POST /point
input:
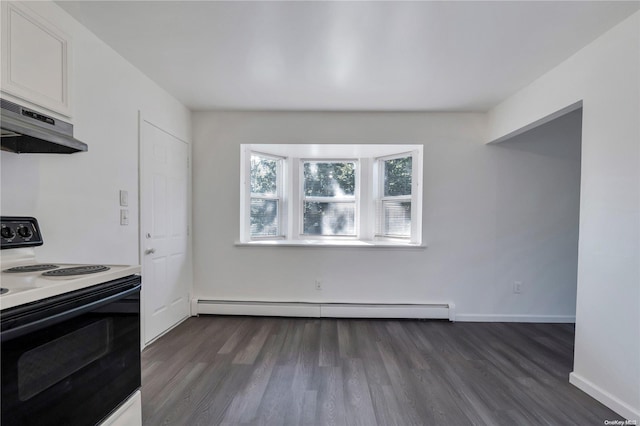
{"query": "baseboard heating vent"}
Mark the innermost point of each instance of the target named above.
(280, 309)
(324, 310)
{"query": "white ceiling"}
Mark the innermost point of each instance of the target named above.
(386, 56)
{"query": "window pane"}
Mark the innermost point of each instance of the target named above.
(397, 218)
(329, 218)
(264, 218)
(264, 175)
(397, 177)
(329, 179)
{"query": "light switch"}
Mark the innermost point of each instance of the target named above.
(124, 198)
(124, 217)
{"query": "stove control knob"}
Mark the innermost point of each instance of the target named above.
(24, 232)
(7, 232)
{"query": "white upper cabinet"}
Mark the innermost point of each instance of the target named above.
(36, 59)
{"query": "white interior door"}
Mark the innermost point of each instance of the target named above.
(164, 196)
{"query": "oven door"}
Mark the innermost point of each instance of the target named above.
(71, 359)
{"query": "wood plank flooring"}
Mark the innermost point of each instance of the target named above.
(214, 370)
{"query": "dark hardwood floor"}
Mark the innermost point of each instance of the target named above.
(214, 370)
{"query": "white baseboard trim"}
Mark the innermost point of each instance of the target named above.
(620, 407)
(325, 310)
(361, 310)
(516, 318)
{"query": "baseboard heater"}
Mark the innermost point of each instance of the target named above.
(324, 310)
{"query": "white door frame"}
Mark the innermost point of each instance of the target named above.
(142, 118)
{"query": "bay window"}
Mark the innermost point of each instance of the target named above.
(331, 194)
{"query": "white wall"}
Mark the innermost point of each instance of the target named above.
(476, 202)
(75, 197)
(537, 210)
(605, 75)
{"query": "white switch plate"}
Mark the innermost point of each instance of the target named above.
(124, 217)
(124, 198)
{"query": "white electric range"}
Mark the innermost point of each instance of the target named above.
(23, 279)
(69, 334)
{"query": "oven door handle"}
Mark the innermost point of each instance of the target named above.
(21, 330)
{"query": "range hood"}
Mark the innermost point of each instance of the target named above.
(27, 131)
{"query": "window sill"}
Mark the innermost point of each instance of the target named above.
(331, 244)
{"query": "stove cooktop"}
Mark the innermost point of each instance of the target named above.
(25, 280)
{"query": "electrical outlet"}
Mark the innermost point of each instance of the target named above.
(517, 287)
(318, 285)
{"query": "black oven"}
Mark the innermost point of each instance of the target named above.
(73, 358)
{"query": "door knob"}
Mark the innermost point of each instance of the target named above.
(150, 251)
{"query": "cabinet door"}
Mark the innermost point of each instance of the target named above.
(35, 59)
